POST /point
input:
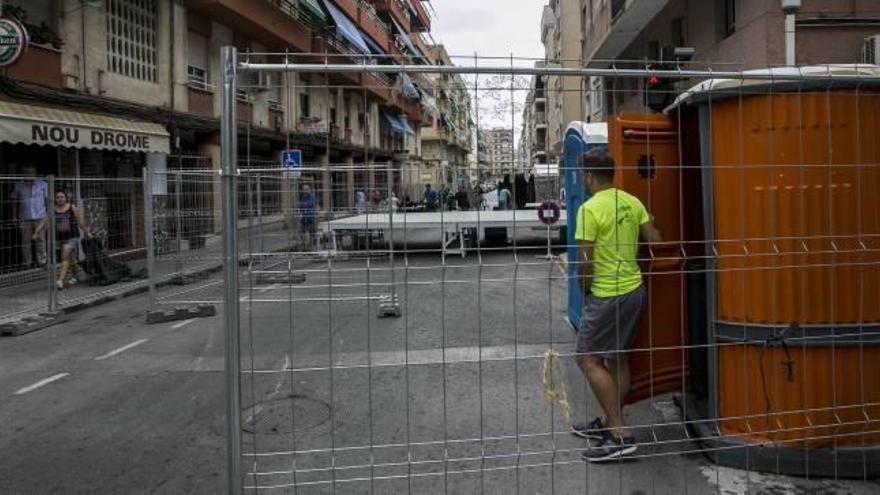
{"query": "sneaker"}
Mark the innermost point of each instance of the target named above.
(594, 430)
(71, 281)
(59, 285)
(610, 448)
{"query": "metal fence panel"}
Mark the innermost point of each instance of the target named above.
(376, 346)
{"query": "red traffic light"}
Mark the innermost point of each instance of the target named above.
(653, 81)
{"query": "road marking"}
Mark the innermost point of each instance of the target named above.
(270, 287)
(182, 324)
(40, 383)
(121, 349)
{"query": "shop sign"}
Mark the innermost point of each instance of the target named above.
(59, 135)
(13, 41)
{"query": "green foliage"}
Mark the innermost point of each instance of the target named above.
(40, 34)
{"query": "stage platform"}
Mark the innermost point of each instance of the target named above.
(453, 231)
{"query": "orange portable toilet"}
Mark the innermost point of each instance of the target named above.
(791, 194)
(646, 155)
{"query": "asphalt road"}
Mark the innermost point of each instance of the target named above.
(445, 399)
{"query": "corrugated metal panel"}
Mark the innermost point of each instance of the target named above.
(790, 269)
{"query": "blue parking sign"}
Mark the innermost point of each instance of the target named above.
(291, 162)
(291, 159)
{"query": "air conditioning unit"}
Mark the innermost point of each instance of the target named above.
(871, 50)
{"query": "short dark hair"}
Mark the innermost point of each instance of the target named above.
(599, 163)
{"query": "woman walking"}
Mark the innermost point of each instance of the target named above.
(68, 223)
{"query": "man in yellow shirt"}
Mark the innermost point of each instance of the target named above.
(608, 229)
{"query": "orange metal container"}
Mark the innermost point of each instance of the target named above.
(796, 179)
(645, 151)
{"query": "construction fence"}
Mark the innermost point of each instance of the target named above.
(421, 349)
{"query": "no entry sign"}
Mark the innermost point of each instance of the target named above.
(548, 212)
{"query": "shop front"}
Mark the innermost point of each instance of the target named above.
(97, 160)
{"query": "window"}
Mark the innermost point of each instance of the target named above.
(728, 16)
(679, 31)
(131, 38)
(304, 105)
(197, 61)
(332, 116)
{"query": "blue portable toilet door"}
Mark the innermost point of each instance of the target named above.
(580, 138)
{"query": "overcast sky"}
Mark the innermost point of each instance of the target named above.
(491, 28)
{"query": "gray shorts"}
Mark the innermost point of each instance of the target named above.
(609, 324)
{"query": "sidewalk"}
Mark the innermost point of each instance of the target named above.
(32, 296)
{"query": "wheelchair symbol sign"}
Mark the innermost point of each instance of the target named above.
(291, 162)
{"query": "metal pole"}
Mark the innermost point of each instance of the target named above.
(259, 216)
(149, 237)
(178, 219)
(790, 39)
(50, 245)
(776, 75)
(229, 200)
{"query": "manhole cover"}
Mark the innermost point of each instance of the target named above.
(285, 415)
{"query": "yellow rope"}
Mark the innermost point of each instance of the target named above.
(553, 382)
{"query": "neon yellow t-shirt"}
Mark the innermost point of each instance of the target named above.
(611, 220)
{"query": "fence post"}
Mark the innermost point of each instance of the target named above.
(178, 221)
(51, 260)
(259, 216)
(149, 238)
(229, 200)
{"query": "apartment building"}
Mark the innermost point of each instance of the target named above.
(561, 33)
(145, 74)
(725, 35)
(534, 138)
(499, 145)
(446, 139)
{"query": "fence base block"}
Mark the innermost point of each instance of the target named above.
(280, 278)
(181, 313)
(31, 323)
(389, 307)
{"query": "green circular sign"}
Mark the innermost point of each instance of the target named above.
(13, 41)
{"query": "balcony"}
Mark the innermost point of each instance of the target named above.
(41, 64)
(200, 101)
(260, 20)
(244, 110)
(368, 20)
(540, 120)
(397, 10)
(350, 7)
(628, 17)
(421, 21)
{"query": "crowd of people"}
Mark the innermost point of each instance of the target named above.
(30, 196)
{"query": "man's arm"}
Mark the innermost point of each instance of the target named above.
(649, 232)
(585, 265)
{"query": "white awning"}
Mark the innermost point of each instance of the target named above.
(33, 124)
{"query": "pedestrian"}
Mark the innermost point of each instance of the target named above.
(68, 223)
(308, 209)
(444, 196)
(394, 201)
(360, 201)
(608, 228)
(376, 198)
(463, 199)
(430, 198)
(503, 199)
(31, 193)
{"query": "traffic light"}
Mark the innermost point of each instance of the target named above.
(659, 91)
